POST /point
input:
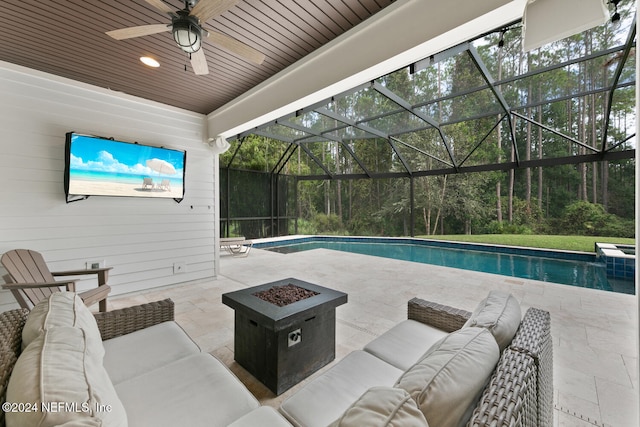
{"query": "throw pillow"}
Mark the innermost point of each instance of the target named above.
(383, 407)
(500, 313)
(448, 381)
(56, 374)
(63, 309)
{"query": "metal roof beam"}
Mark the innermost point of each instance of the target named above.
(272, 136)
(280, 164)
(327, 101)
(373, 131)
(434, 59)
(305, 149)
(367, 129)
(316, 160)
(233, 156)
(492, 167)
(521, 107)
(616, 145)
(482, 140)
(422, 151)
(353, 123)
(404, 162)
(486, 75)
(533, 73)
(408, 107)
(328, 137)
(616, 78)
(554, 131)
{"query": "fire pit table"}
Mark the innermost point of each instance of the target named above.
(284, 330)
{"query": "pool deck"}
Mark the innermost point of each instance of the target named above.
(595, 333)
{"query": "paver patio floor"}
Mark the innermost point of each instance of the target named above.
(595, 333)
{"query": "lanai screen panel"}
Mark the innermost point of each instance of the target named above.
(482, 105)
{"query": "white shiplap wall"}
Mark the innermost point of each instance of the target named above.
(140, 238)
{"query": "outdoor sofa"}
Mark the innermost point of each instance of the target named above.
(442, 363)
(443, 367)
(62, 365)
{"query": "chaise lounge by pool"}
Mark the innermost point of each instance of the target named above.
(569, 268)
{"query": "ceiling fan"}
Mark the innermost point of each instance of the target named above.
(188, 32)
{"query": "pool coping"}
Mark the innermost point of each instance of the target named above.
(506, 249)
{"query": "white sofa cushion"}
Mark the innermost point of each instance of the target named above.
(500, 313)
(325, 398)
(405, 343)
(448, 381)
(264, 416)
(86, 422)
(134, 354)
(197, 391)
(383, 407)
(66, 382)
(62, 309)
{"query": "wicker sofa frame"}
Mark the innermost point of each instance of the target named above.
(520, 391)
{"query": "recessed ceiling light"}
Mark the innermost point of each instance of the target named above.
(146, 60)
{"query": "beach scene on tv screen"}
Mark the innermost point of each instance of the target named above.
(104, 167)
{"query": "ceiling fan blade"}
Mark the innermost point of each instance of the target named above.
(199, 62)
(207, 9)
(143, 30)
(236, 47)
(161, 6)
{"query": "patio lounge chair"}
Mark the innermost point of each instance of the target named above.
(30, 280)
(236, 246)
(147, 182)
(165, 184)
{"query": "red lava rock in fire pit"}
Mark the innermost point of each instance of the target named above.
(285, 295)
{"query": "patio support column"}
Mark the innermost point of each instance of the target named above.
(295, 194)
(273, 184)
(412, 207)
(228, 197)
(216, 215)
(278, 205)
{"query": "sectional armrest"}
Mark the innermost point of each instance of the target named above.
(510, 398)
(520, 391)
(439, 316)
(130, 319)
(534, 339)
(11, 324)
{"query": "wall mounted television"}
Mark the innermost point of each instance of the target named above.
(97, 166)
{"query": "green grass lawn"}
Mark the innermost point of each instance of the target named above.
(570, 243)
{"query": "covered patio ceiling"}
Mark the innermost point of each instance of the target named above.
(68, 38)
(417, 111)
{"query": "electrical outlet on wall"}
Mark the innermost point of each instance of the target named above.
(179, 267)
(90, 265)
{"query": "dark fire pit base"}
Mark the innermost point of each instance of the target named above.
(281, 346)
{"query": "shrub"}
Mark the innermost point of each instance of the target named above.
(590, 219)
(618, 227)
(328, 224)
(304, 227)
(495, 227)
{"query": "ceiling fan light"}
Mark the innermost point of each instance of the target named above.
(147, 60)
(187, 35)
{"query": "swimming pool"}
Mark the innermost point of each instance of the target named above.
(569, 268)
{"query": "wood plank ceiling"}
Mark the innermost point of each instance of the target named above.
(67, 38)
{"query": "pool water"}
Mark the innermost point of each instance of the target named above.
(565, 268)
